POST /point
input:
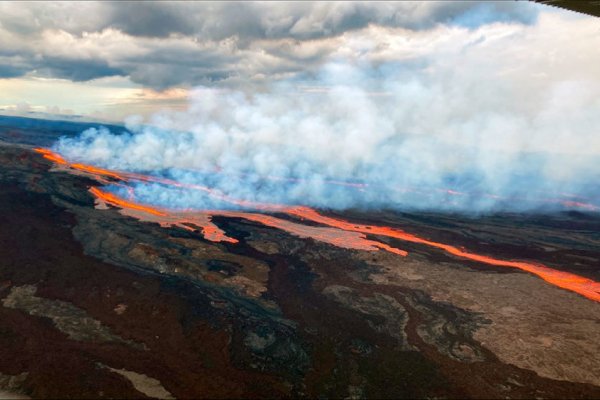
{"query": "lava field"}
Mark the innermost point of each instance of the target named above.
(103, 297)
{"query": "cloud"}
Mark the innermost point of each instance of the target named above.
(300, 20)
(77, 70)
(10, 71)
(221, 20)
(494, 111)
(167, 44)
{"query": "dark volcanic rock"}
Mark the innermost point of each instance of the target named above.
(97, 304)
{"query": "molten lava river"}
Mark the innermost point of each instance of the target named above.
(335, 231)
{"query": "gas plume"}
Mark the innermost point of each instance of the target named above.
(503, 117)
(348, 148)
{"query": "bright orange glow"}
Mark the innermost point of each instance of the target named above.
(336, 231)
(565, 280)
(49, 155)
(97, 171)
(337, 237)
(119, 202)
(190, 219)
(213, 233)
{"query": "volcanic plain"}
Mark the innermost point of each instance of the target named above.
(95, 303)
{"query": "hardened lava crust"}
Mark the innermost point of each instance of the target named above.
(95, 303)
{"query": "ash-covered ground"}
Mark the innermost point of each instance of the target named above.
(94, 303)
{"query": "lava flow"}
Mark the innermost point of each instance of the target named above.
(336, 231)
(565, 280)
(203, 220)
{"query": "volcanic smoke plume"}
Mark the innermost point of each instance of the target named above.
(366, 138)
(354, 142)
(445, 128)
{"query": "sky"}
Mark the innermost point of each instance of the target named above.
(497, 100)
(109, 60)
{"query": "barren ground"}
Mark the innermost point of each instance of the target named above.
(94, 303)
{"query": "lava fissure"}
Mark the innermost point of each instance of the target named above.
(335, 231)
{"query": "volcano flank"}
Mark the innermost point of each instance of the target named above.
(102, 295)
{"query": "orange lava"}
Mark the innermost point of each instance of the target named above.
(49, 155)
(335, 236)
(584, 286)
(97, 171)
(165, 218)
(337, 232)
(202, 219)
(101, 173)
(117, 201)
(213, 233)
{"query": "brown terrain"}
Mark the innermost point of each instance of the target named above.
(97, 304)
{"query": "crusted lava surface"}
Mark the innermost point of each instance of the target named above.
(95, 304)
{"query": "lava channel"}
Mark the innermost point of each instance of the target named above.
(584, 286)
(337, 232)
(191, 220)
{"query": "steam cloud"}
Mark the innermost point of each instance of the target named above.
(506, 132)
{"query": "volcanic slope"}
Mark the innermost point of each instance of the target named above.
(95, 303)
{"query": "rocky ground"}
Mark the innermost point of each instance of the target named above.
(97, 304)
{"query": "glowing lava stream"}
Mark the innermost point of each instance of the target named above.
(101, 173)
(565, 280)
(339, 232)
(202, 219)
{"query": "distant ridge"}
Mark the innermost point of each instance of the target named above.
(44, 132)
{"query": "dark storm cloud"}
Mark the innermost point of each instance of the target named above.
(9, 71)
(159, 76)
(151, 19)
(298, 20)
(78, 70)
(163, 44)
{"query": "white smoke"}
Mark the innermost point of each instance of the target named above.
(507, 114)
